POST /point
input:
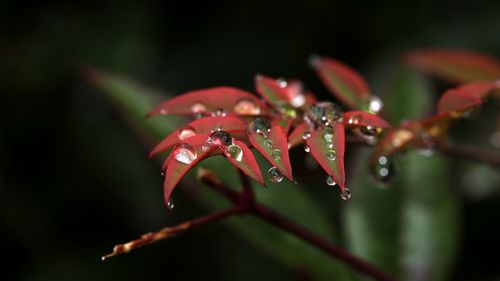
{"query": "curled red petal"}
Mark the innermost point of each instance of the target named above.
(248, 164)
(230, 124)
(456, 66)
(360, 118)
(229, 99)
(342, 81)
(279, 143)
(318, 145)
(480, 89)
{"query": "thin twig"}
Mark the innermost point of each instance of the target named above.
(291, 227)
(471, 153)
(170, 231)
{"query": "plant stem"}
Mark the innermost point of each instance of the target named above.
(326, 246)
(170, 231)
(471, 153)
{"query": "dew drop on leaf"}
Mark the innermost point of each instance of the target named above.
(346, 194)
(330, 181)
(185, 153)
(234, 151)
(298, 100)
(328, 135)
(186, 133)
(268, 143)
(220, 138)
(219, 113)
(260, 126)
(275, 175)
(246, 106)
(355, 119)
(306, 135)
(370, 131)
(198, 107)
(322, 114)
(276, 154)
(163, 173)
(375, 105)
(170, 204)
(306, 148)
(282, 83)
(331, 155)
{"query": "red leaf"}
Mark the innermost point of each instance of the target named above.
(319, 149)
(248, 164)
(230, 124)
(455, 102)
(277, 91)
(344, 82)
(480, 89)
(296, 137)
(279, 144)
(455, 66)
(175, 169)
(205, 101)
(360, 118)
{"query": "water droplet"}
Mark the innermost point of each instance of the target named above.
(331, 155)
(329, 145)
(185, 153)
(328, 135)
(382, 168)
(275, 175)
(260, 126)
(217, 128)
(306, 135)
(276, 154)
(220, 138)
(198, 108)
(234, 151)
(306, 148)
(355, 119)
(370, 131)
(163, 173)
(268, 143)
(282, 83)
(206, 146)
(298, 100)
(287, 110)
(186, 133)
(170, 204)
(246, 106)
(322, 114)
(219, 112)
(375, 105)
(330, 181)
(346, 194)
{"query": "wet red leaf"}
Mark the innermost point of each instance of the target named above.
(279, 143)
(334, 166)
(248, 164)
(360, 118)
(230, 124)
(206, 101)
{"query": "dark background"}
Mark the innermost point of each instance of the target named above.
(75, 179)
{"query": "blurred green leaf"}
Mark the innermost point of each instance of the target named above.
(287, 198)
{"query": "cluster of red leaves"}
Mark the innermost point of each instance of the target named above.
(229, 121)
